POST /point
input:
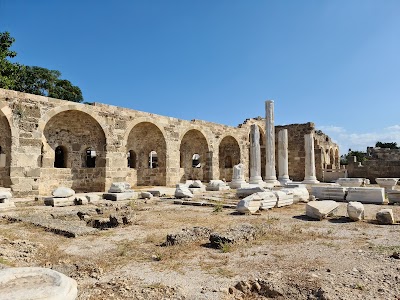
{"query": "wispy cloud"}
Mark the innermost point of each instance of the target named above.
(360, 141)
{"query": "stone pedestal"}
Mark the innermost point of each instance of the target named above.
(351, 182)
(238, 177)
(270, 172)
(387, 183)
(255, 156)
(283, 157)
(309, 177)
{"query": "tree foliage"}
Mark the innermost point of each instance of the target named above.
(361, 156)
(392, 145)
(33, 79)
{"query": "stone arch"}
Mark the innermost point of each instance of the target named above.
(5, 148)
(71, 107)
(76, 131)
(193, 142)
(228, 147)
(143, 139)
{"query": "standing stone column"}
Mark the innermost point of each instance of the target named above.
(270, 172)
(283, 157)
(310, 159)
(255, 155)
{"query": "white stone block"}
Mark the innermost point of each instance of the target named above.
(182, 191)
(284, 199)
(244, 192)
(36, 283)
(387, 183)
(127, 195)
(366, 195)
(355, 211)
(269, 200)
(351, 182)
(59, 202)
(393, 196)
(329, 192)
(300, 194)
(321, 209)
(250, 204)
(63, 192)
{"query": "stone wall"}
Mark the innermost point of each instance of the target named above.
(378, 165)
(47, 141)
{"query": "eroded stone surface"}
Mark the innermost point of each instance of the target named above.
(63, 192)
(355, 210)
(321, 209)
(385, 216)
(366, 195)
(182, 191)
(36, 283)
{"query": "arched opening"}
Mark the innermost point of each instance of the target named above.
(229, 156)
(228, 162)
(153, 160)
(337, 160)
(5, 151)
(90, 159)
(148, 150)
(196, 162)
(331, 159)
(131, 159)
(194, 167)
(60, 157)
(82, 142)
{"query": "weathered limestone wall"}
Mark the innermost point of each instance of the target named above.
(378, 165)
(37, 125)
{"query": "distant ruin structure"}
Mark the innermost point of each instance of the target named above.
(46, 143)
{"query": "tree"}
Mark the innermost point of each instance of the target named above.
(392, 145)
(33, 80)
(9, 72)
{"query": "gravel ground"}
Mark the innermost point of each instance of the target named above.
(292, 258)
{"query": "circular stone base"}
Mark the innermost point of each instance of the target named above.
(36, 283)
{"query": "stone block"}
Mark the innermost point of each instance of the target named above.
(269, 200)
(284, 199)
(119, 187)
(387, 183)
(63, 192)
(300, 194)
(6, 205)
(351, 182)
(329, 192)
(244, 192)
(146, 195)
(93, 198)
(385, 216)
(36, 283)
(321, 209)
(355, 211)
(59, 202)
(217, 185)
(182, 191)
(366, 195)
(250, 204)
(393, 196)
(127, 195)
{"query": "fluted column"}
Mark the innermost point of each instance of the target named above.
(270, 172)
(283, 157)
(255, 155)
(310, 159)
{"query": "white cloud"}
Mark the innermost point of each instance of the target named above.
(360, 141)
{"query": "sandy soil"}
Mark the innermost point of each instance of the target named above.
(295, 258)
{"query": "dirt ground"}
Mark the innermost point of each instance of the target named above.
(294, 258)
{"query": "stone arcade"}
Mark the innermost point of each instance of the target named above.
(46, 143)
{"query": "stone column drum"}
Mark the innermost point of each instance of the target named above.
(255, 155)
(309, 177)
(270, 172)
(283, 157)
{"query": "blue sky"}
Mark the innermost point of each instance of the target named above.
(335, 63)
